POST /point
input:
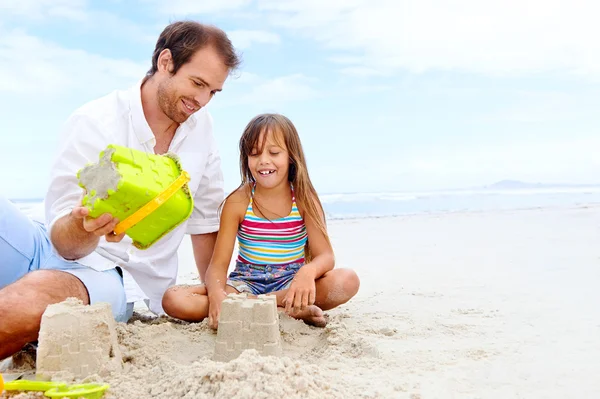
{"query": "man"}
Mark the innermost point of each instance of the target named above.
(73, 255)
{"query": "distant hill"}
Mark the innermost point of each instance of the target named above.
(516, 184)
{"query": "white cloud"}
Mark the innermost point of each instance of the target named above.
(346, 59)
(112, 25)
(504, 37)
(373, 88)
(543, 107)
(486, 37)
(76, 11)
(30, 65)
(190, 7)
(548, 160)
(254, 89)
(243, 39)
(361, 71)
(70, 9)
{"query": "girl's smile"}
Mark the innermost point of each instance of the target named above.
(269, 165)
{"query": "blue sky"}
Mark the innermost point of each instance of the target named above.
(387, 95)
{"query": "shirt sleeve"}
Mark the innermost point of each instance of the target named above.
(208, 197)
(81, 143)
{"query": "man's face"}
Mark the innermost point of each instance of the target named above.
(193, 86)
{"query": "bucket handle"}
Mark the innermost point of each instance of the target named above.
(153, 204)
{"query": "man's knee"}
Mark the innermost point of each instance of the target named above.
(38, 289)
(23, 303)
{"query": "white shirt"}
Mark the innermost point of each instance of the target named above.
(118, 118)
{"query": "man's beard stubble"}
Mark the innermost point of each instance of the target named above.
(168, 102)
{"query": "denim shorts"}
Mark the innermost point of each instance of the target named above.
(25, 247)
(262, 279)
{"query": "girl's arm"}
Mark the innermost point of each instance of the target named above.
(231, 217)
(302, 291)
(323, 259)
(216, 275)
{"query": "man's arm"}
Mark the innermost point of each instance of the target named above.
(203, 245)
(72, 232)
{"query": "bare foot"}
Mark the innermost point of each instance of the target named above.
(312, 315)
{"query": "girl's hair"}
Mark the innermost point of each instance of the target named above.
(306, 195)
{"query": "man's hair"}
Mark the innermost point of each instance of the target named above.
(184, 38)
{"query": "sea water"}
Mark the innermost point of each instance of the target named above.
(381, 204)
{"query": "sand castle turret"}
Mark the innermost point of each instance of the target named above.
(247, 323)
(78, 339)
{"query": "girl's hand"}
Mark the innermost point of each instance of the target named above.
(214, 307)
(302, 291)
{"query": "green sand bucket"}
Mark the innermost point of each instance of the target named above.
(148, 193)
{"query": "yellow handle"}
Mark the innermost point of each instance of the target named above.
(151, 206)
(26, 385)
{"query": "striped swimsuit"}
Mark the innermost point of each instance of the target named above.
(270, 251)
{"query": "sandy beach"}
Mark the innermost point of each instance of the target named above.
(499, 304)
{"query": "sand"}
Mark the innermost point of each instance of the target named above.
(101, 177)
(456, 305)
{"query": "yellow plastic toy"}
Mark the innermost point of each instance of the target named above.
(56, 389)
(148, 193)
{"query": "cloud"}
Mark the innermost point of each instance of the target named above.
(494, 38)
(243, 39)
(512, 37)
(85, 19)
(543, 158)
(361, 71)
(373, 88)
(346, 59)
(254, 89)
(30, 65)
(112, 25)
(544, 107)
(38, 9)
(190, 7)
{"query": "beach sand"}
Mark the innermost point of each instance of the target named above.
(456, 305)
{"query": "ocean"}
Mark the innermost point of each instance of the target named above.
(366, 205)
(360, 205)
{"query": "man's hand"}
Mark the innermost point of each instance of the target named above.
(302, 291)
(215, 299)
(76, 234)
(100, 226)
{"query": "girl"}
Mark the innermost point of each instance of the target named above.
(279, 223)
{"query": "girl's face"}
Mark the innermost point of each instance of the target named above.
(270, 164)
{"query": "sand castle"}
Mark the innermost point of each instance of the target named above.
(78, 339)
(247, 323)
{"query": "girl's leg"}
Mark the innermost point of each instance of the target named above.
(188, 302)
(334, 288)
